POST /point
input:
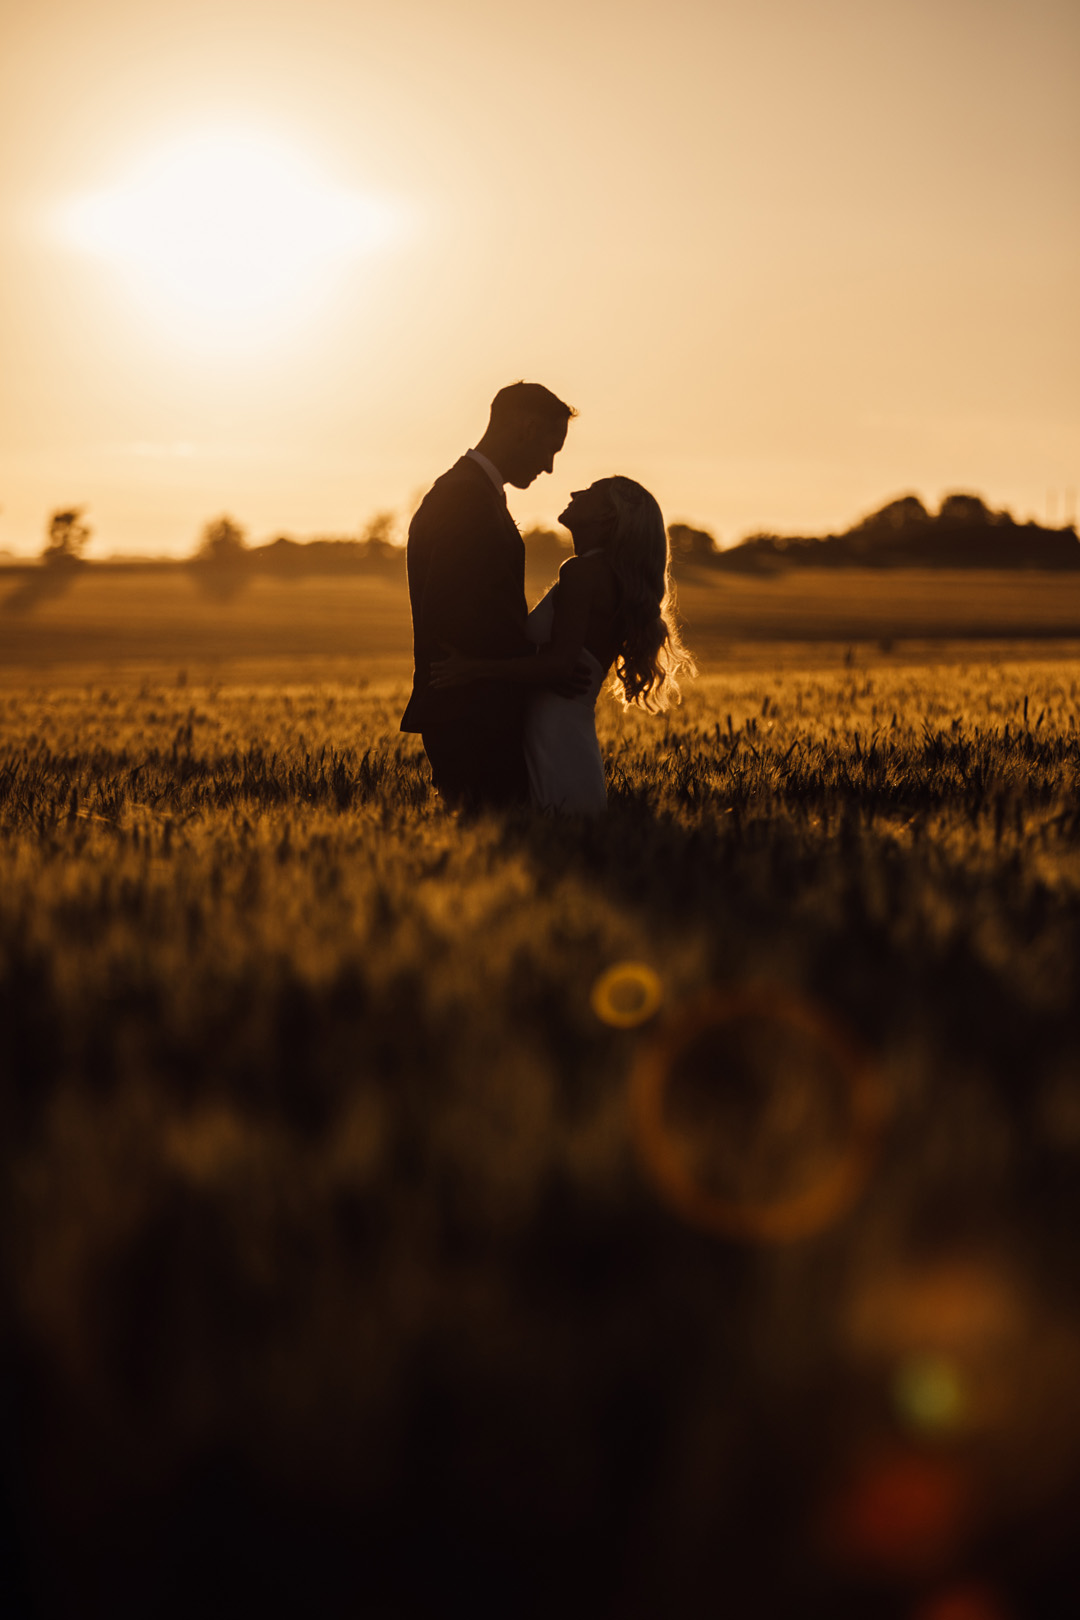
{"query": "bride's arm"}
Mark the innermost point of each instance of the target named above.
(555, 660)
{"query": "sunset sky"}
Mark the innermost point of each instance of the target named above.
(788, 258)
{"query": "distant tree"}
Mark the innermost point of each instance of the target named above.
(545, 550)
(895, 517)
(67, 535)
(692, 545)
(65, 538)
(223, 542)
(222, 561)
(964, 511)
(378, 536)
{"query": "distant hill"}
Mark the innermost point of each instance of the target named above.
(963, 533)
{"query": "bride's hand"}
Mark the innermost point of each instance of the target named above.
(454, 670)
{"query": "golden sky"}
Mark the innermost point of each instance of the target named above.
(788, 258)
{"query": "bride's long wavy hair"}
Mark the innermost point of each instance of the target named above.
(651, 654)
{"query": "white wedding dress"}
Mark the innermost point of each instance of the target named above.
(562, 754)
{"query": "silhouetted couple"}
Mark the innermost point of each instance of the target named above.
(504, 699)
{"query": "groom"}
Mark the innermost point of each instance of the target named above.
(466, 564)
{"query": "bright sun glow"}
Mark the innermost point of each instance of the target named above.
(228, 233)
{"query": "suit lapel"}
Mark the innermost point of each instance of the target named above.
(496, 497)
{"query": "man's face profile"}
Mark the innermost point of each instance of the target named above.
(538, 443)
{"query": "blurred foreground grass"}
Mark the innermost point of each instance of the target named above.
(329, 1251)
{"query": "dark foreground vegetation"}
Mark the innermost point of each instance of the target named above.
(338, 1279)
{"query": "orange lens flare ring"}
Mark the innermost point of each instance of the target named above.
(626, 995)
(784, 1220)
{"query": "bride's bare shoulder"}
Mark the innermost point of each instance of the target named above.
(591, 577)
(592, 569)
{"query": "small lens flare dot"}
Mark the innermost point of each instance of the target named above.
(929, 1394)
(627, 994)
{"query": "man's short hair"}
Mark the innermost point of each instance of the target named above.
(525, 399)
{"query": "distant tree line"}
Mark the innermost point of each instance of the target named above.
(223, 550)
(224, 560)
(963, 533)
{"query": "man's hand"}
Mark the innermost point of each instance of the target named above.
(453, 670)
(577, 682)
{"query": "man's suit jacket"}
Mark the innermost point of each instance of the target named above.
(466, 563)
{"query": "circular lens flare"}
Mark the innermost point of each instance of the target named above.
(627, 994)
(812, 1188)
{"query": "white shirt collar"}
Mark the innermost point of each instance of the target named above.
(489, 467)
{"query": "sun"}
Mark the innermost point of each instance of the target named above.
(227, 233)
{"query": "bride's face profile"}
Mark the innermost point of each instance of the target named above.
(590, 516)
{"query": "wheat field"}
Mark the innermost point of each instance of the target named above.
(116, 618)
(331, 1241)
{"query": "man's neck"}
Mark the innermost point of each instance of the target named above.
(489, 467)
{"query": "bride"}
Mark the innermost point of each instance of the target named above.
(612, 605)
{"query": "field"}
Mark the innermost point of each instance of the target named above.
(120, 618)
(338, 1243)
